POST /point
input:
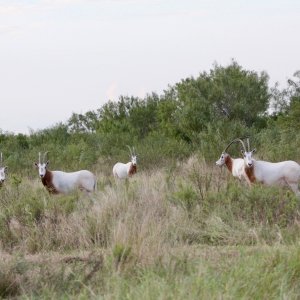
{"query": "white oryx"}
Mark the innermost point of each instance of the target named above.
(3, 170)
(122, 171)
(234, 165)
(62, 182)
(280, 173)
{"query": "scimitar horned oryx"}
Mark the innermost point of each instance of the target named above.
(64, 182)
(234, 165)
(269, 173)
(122, 171)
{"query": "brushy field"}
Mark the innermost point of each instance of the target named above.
(189, 231)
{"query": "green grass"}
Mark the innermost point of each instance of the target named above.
(191, 232)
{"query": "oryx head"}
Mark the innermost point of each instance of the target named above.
(42, 165)
(133, 156)
(247, 155)
(222, 160)
(3, 170)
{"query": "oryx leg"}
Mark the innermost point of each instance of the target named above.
(295, 189)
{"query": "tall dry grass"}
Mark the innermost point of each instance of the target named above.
(168, 233)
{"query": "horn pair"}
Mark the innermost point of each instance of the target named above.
(44, 156)
(241, 141)
(248, 142)
(132, 152)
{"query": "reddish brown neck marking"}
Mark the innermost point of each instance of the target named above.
(132, 170)
(47, 182)
(250, 174)
(228, 163)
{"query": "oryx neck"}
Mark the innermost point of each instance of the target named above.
(228, 162)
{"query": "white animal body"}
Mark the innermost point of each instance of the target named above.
(269, 173)
(3, 171)
(123, 171)
(2, 174)
(65, 182)
(234, 165)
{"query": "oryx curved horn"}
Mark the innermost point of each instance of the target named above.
(129, 150)
(246, 137)
(248, 143)
(1, 159)
(243, 144)
(39, 157)
(234, 141)
(45, 155)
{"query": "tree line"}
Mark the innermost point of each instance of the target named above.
(198, 114)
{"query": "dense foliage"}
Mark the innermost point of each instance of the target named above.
(197, 114)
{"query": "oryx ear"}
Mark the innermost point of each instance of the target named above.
(47, 162)
(254, 150)
(36, 164)
(5, 169)
(242, 151)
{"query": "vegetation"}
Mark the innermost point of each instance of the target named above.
(181, 228)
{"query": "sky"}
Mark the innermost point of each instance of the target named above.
(59, 57)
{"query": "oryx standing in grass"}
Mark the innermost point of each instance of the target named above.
(62, 182)
(3, 170)
(122, 171)
(234, 165)
(279, 173)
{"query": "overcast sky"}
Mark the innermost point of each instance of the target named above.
(63, 56)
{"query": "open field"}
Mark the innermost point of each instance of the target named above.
(189, 231)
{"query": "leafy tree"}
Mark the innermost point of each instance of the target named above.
(22, 141)
(142, 115)
(287, 103)
(166, 114)
(282, 99)
(83, 123)
(113, 116)
(225, 93)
